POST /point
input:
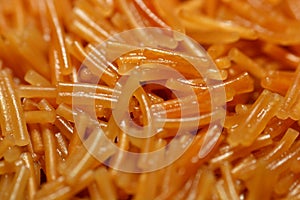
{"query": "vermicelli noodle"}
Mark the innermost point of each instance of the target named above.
(62, 99)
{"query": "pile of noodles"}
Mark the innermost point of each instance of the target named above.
(254, 43)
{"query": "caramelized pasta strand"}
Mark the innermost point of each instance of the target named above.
(13, 121)
(278, 81)
(58, 38)
(33, 180)
(51, 157)
(251, 126)
(18, 184)
(290, 105)
(246, 63)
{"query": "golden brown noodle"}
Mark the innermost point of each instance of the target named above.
(256, 46)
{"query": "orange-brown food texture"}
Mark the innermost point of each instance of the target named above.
(255, 45)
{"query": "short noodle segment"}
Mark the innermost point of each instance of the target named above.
(255, 45)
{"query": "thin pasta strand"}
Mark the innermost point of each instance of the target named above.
(13, 113)
(58, 35)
